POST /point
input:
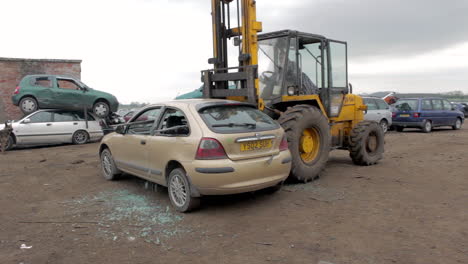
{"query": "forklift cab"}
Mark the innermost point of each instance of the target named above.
(292, 63)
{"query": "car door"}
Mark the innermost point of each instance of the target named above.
(372, 110)
(438, 112)
(163, 140)
(65, 123)
(450, 115)
(42, 89)
(384, 110)
(36, 129)
(427, 110)
(69, 94)
(130, 149)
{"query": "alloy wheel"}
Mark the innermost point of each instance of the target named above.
(178, 191)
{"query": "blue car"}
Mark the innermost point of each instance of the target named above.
(426, 113)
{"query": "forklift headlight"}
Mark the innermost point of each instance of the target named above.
(291, 90)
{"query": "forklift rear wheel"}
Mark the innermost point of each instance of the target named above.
(366, 144)
(308, 136)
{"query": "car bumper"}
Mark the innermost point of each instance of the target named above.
(417, 124)
(114, 106)
(95, 135)
(15, 99)
(211, 178)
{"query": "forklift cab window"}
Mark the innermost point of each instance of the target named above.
(312, 62)
(271, 66)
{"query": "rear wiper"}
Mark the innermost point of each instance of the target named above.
(251, 125)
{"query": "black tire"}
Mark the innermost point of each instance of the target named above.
(366, 146)
(384, 125)
(427, 126)
(295, 121)
(399, 128)
(101, 109)
(28, 105)
(10, 143)
(80, 137)
(108, 168)
(181, 200)
(458, 124)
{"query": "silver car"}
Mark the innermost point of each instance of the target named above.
(379, 111)
(54, 127)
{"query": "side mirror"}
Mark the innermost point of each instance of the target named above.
(120, 130)
(26, 121)
(454, 108)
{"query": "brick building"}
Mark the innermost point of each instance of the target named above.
(12, 70)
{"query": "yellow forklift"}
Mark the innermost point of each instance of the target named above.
(299, 79)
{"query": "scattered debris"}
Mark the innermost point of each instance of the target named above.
(23, 246)
(264, 243)
(77, 162)
(42, 160)
(122, 213)
(324, 262)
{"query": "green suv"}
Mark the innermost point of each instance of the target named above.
(52, 91)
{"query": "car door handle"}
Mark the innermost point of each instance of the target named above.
(75, 124)
(49, 124)
(143, 142)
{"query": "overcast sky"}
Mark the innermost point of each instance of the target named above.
(152, 50)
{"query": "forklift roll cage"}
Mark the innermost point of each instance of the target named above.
(215, 80)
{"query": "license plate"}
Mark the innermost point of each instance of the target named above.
(256, 145)
(404, 115)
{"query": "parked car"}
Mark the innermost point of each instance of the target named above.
(54, 127)
(379, 111)
(60, 92)
(128, 115)
(426, 113)
(463, 107)
(199, 147)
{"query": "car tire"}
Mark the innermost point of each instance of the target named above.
(458, 124)
(427, 126)
(10, 143)
(108, 168)
(101, 109)
(366, 146)
(309, 140)
(384, 125)
(399, 128)
(179, 190)
(28, 105)
(80, 137)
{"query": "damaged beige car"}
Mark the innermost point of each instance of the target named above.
(199, 147)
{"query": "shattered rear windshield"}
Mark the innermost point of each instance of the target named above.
(236, 119)
(407, 105)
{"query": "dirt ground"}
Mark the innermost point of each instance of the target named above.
(410, 208)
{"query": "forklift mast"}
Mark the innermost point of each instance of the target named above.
(244, 35)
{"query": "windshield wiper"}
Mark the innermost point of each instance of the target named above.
(251, 125)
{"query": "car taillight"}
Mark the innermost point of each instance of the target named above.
(416, 114)
(17, 89)
(284, 144)
(210, 148)
(393, 114)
